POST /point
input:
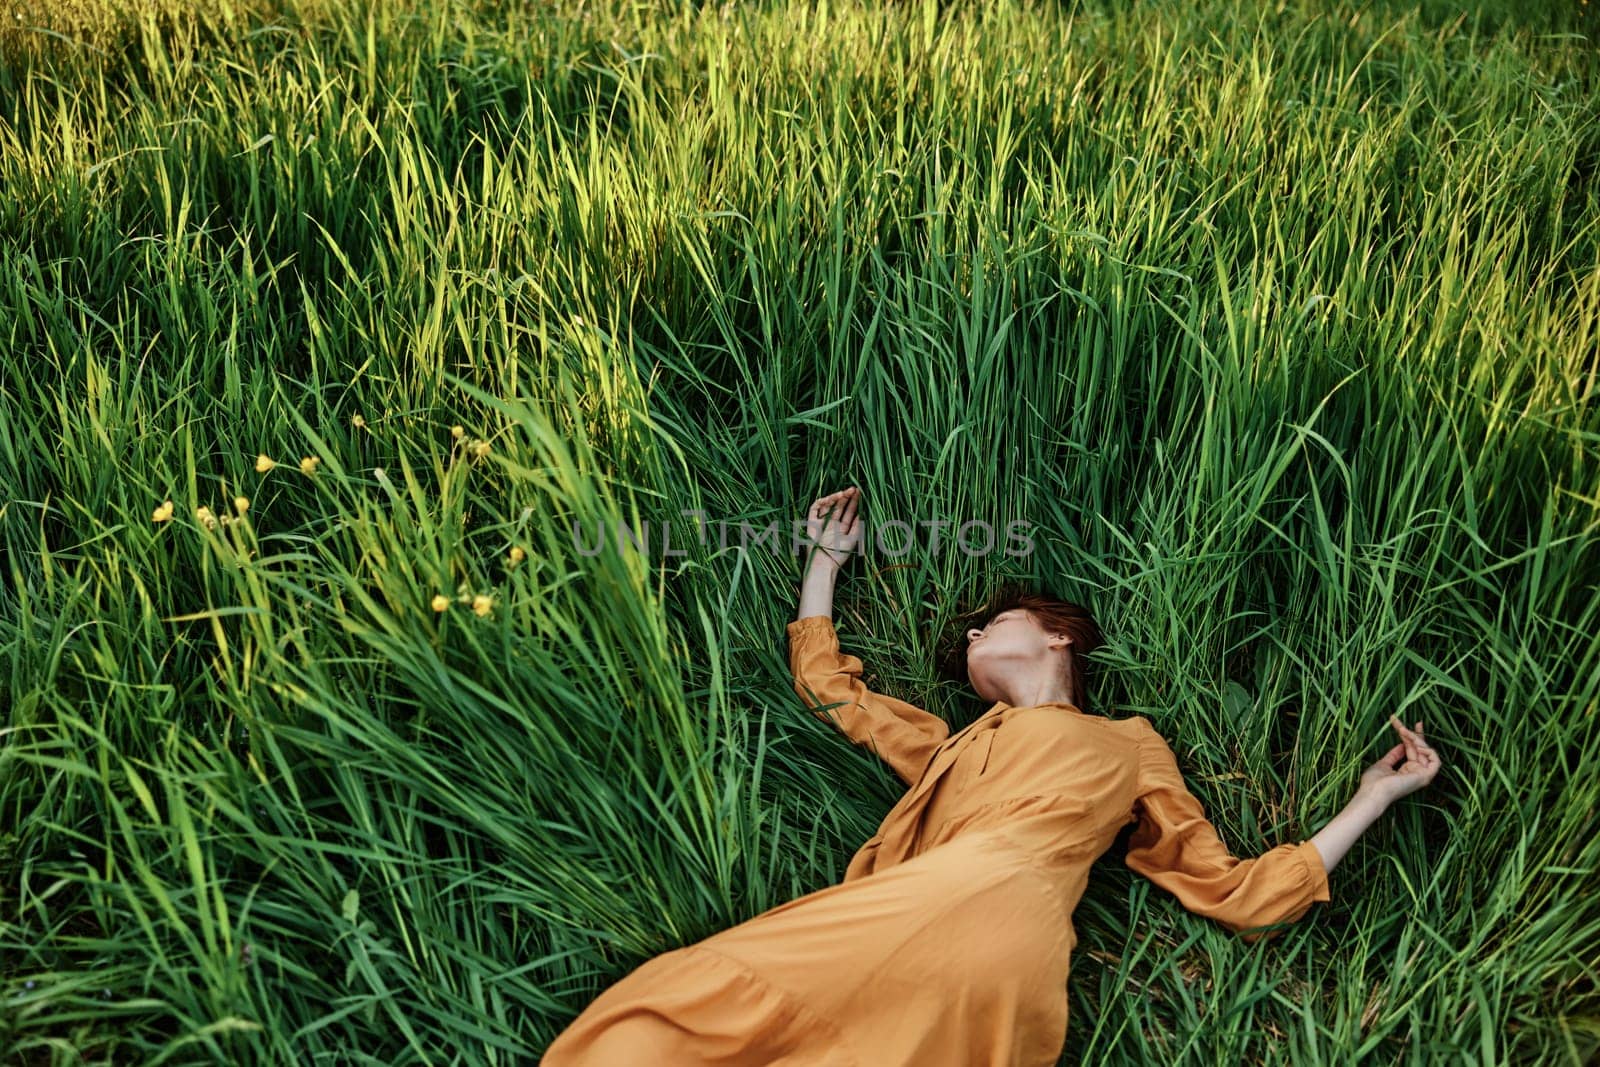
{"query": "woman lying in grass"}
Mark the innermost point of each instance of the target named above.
(950, 939)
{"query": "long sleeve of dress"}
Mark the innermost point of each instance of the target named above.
(1176, 848)
(904, 736)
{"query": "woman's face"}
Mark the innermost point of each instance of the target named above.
(1012, 646)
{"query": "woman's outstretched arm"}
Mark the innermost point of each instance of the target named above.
(827, 679)
(1381, 785)
(1177, 848)
(834, 532)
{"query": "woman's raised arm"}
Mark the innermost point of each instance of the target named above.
(829, 681)
(834, 532)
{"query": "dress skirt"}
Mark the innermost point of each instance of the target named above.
(958, 956)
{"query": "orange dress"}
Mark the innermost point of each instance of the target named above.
(950, 937)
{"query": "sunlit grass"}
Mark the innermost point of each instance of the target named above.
(1278, 325)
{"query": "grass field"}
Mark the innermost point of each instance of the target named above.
(1278, 323)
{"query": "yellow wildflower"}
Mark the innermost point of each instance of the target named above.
(482, 604)
(241, 504)
(441, 603)
(517, 555)
(358, 422)
(480, 448)
(208, 520)
(308, 464)
(264, 463)
(457, 431)
(163, 513)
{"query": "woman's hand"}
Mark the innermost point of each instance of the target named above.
(832, 526)
(1389, 779)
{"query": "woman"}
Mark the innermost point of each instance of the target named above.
(950, 938)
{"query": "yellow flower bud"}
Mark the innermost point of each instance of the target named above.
(264, 463)
(457, 431)
(480, 448)
(163, 513)
(308, 465)
(241, 504)
(441, 603)
(207, 519)
(482, 604)
(517, 555)
(358, 422)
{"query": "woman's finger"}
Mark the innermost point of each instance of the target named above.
(1411, 739)
(1405, 738)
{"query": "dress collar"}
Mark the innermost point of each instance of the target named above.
(999, 707)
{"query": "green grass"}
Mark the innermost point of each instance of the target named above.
(1277, 322)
